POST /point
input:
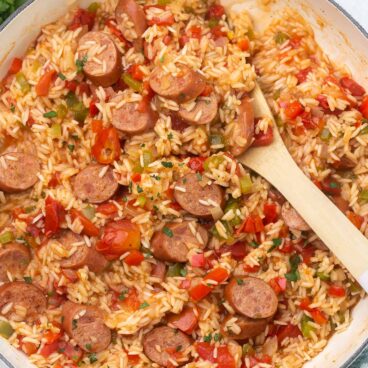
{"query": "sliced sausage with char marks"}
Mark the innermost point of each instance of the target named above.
(90, 186)
(183, 87)
(100, 46)
(243, 132)
(204, 111)
(21, 294)
(239, 327)
(137, 16)
(83, 256)
(189, 190)
(85, 325)
(176, 248)
(18, 171)
(14, 258)
(128, 118)
(251, 297)
(292, 218)
(161, 341)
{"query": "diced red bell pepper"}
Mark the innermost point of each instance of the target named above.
(319, 316)
(243, 44)
(15, 66)
(135, 71)
(303, 74)
(215, 11)
(196, 163)
(107, 209)
(198, 260)
(253, 224)
(167, 20)
(136, 177)
(336, 291)
(223, 358)
(304, 304)
(289, 330)
(97, 126)
(217, 32)
(356, 219)
(293, 110)
(48, 349)
(287, 247)
(107, 146)
(89, 228)
(195, 32)
(55, 180)
(307, 253)
(71, 85)
(81, 18)
(364, 107)
(54, 216)
(278, 284)
(353, 87)
(44, 84)
(93, 109)
(251, 269)
(186, 321)
(270, 212)
(263, 138)
(135, 258)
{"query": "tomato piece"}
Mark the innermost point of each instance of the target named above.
(107, 209)
(293, 110)
(44, 84)
(270, 212)
(110, 23)
(81, 18)
(51, 337)
(167, 20)
(218, 274)
(252, 224)
(198, 260)
(136, 177)
(28, 348)
(131, 300)
(133, 359)
(307, 253)
(54, 216)
(238, 251)
(215, 11)
(134, 258)
(135, 71)
(196, 164)
(263, 138)
(357, 220)
(251, 269)
(364, 107)
(319, 317)
(48, 349)
(353, 87)
(331, 186)
(195, 32)
(295, 42)
(93, 109)
(119, 237)
(97, 126)
(217, 32)
(15, 66)
(223, 358)
(55, 180)
(186, 320)
(304, 304)
(107, 146)
(89, 228)
(288, 331)
(243, 44)
(71, 85)
(303, 74)
(336, 291)
(278, 284)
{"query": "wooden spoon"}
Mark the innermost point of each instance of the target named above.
(275, 164)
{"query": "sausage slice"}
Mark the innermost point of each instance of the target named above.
(18, 171)
(128, 118)
(158, 271)
(103, 60)
(83, 256)
(136, 15)
(185, 86)
(20, 301)
(175, 248)
(196, 196)
(95, 184)
(204, 111)
(14, 258)
(159, 342)
(85, 325)
(251, 297)
(240, 327)
(293, 219)
(243, 131)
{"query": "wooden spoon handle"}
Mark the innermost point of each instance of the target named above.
(348, 244)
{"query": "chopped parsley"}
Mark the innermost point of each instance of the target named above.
(207, 338)
(122, 296)
(240, 281)
(12, 108)
(276, 243)
(92, 358)
(217, 337)
(71, 147)
(293, 275)
(139, 189)
(62, 76)
(254, 244)
(50, 114)
(144, 305)
(88, 346)
(170, 136)
(27, 279)
(80, 63)
(168, 232)
(167, 164)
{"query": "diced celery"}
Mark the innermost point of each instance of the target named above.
(325, 134)
(135, 85)
(175, 270)
(61, 111)
(55, 130)
(363, 195)
(281, 37)
(141, 201)
(93, 7)
(23, 83)
(213, 22)
(216, 139)
(147, 158)
(89, 212)
(6, 330)
(6, 237)
(246, 184)
(213, 162)
(322, 276)
(306, 327)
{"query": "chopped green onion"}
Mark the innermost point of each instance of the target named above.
(246, 184)
(325, 135)
(23, 83)
(363, 195)
(167, 164)
(55, 130)
(293, 275)
(92, 358)
(254, 244)
(80, 63)
(50, 114)
(123, 294)
(207, 338)
(6, 330)
(132, 83)
(61, 111)
(322, 276)
(6, 237)
(93, 7)
(89, 212)
(281, 37)
(147, 158)
(71, 147)
(144, 305)
(306, 327)
(62, 76)
(167, 231)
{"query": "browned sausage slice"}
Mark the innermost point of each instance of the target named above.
(185, 235)
(95, 184)
(251, 297)
(240, 327)
(83, 256)
(85, 325)
(293, 219)
(158, 343)
(158, 271)
(136, 15)
(242, 134)
(185, 86)
(129, 119)
(18, 171)
(196, 196)
(20, 301)
(204, 111)
(103, 60)
(14, 258)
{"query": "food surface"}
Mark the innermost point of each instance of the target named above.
(130, 235)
